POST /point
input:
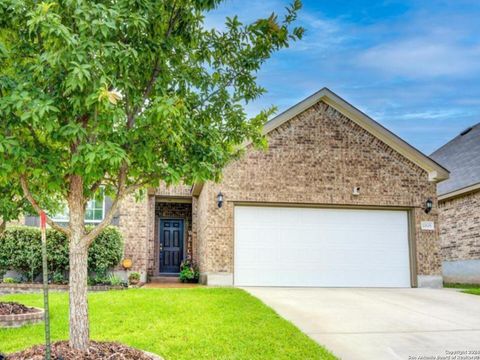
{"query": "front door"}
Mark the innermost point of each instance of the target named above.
(171, 245)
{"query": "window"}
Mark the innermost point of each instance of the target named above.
(94, 211)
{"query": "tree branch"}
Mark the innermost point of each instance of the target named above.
(155, 72)
(93, 189)
(3, 226)
(121, 192)
(38, 209)
(105, 222)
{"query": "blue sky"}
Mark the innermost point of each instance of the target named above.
(414, 66)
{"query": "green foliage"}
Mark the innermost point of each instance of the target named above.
(104, 279)
(106, 251)
(9, 280)
(141, 87)
(241, 326)
(12, 203)
(20, 250)
(134, 278)
(189, 272)
(59, 278)
(114, 280)
(461, 285)
(126, 94)
(472, 291)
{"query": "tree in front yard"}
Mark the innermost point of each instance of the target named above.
(124, 94)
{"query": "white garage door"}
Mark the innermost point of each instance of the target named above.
(277, 246)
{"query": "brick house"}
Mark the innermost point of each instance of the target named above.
(336, 200)
(459, 207)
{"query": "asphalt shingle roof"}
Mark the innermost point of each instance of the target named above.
(461, 156)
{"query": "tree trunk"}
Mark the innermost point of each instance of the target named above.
(3, 226)
(79, 327)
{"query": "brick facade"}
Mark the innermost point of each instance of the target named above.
(317, 158)
(138, 221)
(134, 224)
(460, 227)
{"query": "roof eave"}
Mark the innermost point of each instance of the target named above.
(459, 192)
(196, 189)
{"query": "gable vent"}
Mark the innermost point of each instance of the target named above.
(466, 131)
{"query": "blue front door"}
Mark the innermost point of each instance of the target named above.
(171, 245)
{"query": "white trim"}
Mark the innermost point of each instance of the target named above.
(459, 192)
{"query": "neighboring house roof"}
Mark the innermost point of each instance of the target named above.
(436, 172)
(462, 157)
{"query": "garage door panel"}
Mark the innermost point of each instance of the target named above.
(277, 246)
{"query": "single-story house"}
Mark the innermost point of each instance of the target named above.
(337, 200)
(459, 207)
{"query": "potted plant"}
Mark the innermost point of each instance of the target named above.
(189, 272)
(134, 278)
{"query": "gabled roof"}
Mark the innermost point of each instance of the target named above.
(436, 172)
(461, 156)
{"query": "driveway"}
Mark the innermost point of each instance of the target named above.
(381, 323)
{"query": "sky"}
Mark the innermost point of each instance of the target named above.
(413, 66)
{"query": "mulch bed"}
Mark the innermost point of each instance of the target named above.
(12, 308)
(97, 351)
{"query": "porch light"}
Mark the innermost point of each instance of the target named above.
(220, 199)
(428, 206)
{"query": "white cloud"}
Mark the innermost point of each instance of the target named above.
(422, 57)
(434, 114)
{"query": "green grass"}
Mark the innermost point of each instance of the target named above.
(473, 289)
(198, 323)
(461, 286)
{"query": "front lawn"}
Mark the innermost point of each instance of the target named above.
(473, 289)
(199, 323)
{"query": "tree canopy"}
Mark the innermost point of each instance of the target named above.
(124, 94)
(139, 87)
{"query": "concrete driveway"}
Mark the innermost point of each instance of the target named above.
(377, 324)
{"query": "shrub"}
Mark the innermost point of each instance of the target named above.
(20, 250)
(110, 279)
(9, 280)
(114, 280)
(134, 278)
(189, 272)
(106, 251)
(59, 278)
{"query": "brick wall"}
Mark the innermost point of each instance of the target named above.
(202, 243)
(460, 227)
(180, 190)
(317, 158)
(135, 224)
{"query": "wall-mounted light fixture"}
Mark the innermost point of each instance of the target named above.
(428, 206)
(220, 199)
